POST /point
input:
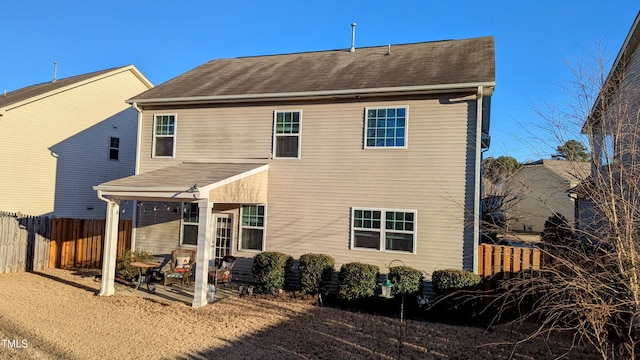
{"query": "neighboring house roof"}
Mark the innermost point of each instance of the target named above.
(453, 63)
(31, 93)
(571, 171)
(627, 50)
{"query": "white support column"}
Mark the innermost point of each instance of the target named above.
(110, 248)
(202, 256)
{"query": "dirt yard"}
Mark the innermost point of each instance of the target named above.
(56, 314)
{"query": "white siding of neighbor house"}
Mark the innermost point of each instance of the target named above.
(310, 199)
(56, 148)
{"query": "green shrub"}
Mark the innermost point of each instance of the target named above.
(124, 270)
(357, 280)
(450, 280)
(316, 271)
(406, 280)
(269, 271)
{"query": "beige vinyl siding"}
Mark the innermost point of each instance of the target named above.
(211, 134)
(316, 194)
(250, 190)
(310, 199)
(57, 148)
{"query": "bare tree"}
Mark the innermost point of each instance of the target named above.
(590, 281)
(497, 195)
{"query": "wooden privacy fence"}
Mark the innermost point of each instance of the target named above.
(80, 243)
(506, 260)
(24, 242)
(29, 243)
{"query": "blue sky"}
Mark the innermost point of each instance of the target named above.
(536, 41)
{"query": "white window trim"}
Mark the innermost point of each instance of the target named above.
(275, 135)
(182, 223)
(113, 148)
(263, 227)
(406, 127)
(175, 132)
(383, 230)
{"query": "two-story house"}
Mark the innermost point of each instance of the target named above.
(609, 198)
(368, 155)
(62, 137)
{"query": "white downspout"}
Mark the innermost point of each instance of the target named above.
(109, 253)
(136, 171)
(477, 180)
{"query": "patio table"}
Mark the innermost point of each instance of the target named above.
(144, 265)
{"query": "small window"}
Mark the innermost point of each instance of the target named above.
(385, 230)
(608, 150)
(287, 134)
(190, 220)
(114, 148)
(386, 128)
(252, 227)
(164, 133)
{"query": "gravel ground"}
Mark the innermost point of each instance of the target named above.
(55, 314)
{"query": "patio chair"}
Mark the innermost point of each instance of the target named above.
(221, 274)
(181, 265)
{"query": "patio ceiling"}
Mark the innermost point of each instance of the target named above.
(191, 181)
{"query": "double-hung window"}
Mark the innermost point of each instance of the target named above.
(252, 227)
(386, 128)
(385, 230)
(114, 148)
(190, 219)
(164, 135)
(286, 142)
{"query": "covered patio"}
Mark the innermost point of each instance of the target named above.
(178, 294)
(201, 183)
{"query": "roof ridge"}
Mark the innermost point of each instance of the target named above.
(347, 49)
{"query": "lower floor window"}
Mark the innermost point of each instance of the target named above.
(380, 229)
(190, 216)
(252, 227)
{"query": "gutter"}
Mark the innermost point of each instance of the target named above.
(477, 181)
(321, 94)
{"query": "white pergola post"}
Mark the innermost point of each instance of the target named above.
(110, 248)
(202, 256)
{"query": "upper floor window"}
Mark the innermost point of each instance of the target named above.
(114, 148)
(190, 220)
(286, 142)
(252, 227)
(386, 128)
(164, 135)
(607, 156)
(379, 229)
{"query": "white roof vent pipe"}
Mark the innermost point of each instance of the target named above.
(55, 70)
(353, 37)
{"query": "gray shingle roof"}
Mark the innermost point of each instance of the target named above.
(182, 176)
(572, 171)
(28, 92)
(419, 64)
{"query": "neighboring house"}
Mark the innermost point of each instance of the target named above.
(540, 190)
(370, 156)
(612, 126)
(61, 138)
